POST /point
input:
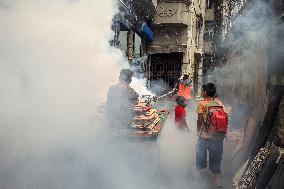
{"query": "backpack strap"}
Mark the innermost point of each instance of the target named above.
(212, 102)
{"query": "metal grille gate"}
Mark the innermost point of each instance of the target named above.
(166, 67)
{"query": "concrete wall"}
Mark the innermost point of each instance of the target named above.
(196, 45)
(172, 13)
(244, 77)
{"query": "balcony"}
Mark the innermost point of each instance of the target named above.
(172, 12)
(170, 39)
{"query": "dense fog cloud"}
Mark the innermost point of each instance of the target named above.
(55, 69)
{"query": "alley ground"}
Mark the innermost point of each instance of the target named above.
(177, 156)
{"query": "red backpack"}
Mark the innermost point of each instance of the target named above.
(216, 119)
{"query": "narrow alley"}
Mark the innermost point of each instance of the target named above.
(135, 94)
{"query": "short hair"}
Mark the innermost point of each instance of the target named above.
(210, 89)
(186, 75)
(180, 99)
(125, 74)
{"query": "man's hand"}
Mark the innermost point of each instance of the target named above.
(155, 98)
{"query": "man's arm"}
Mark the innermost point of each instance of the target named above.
(184, 122)
(109, 97)
(199, 122)
(133, 95)
(176, 87)
(200, 111)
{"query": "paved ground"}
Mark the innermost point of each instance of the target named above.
(177, 157)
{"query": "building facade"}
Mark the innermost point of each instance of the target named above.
(177, 45)
(163, 39)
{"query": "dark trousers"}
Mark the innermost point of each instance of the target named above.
(215, 149)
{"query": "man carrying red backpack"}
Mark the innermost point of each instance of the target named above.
(211, 127)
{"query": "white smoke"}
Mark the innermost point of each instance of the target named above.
(55, 69)
(139, 85)
(56, 66)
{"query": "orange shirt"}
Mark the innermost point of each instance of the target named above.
(184, 91)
